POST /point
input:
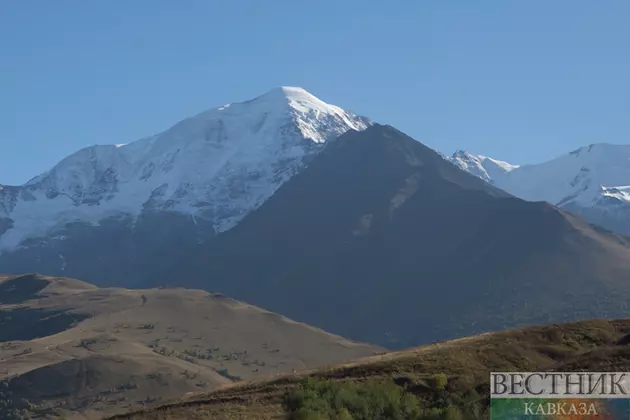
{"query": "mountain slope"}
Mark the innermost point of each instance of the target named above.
(84, 351)
(464, 364)
(106, 212)
(484, 167)
(591, 182)
(382, 240)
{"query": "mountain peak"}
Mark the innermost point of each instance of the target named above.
(463, 153)
(216, 166)
(284, 95)
(591, 181)
(483, 167)
(305, 108)
(290, 92)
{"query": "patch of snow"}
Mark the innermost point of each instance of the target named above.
(621, 193)
(507, 167)
(484, 167)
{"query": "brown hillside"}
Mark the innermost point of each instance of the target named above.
(594, 345)
(79, 351)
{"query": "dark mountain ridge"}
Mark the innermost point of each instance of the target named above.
(381, 239)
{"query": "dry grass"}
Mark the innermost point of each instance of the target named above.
(91, 352)
(595, 344)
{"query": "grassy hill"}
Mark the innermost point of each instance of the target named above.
(448, 380)
(72, 350)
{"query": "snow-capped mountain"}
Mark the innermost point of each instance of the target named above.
(591, 181)
(215, 167)
(484, 167)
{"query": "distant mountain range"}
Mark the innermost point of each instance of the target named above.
(310, 211)
(593, 182)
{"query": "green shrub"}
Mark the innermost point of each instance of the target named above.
(439, 382)
(452, 413)
(370, 400)
(305, 414)
(374, 399)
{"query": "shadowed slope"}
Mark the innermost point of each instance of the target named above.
(381, 239)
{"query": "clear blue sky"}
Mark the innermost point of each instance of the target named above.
(523, 81)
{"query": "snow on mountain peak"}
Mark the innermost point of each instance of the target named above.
(289, 93)
(505, 166)
(316, 119)
(592, 181)
(581, 177)
(484, 167)
(470, 163)
(217, 165)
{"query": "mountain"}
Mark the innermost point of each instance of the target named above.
(484, 167)
(591, 182)
(77, 351)
(382, 240)
(452, 376)
(367, 234)
(108, 212)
